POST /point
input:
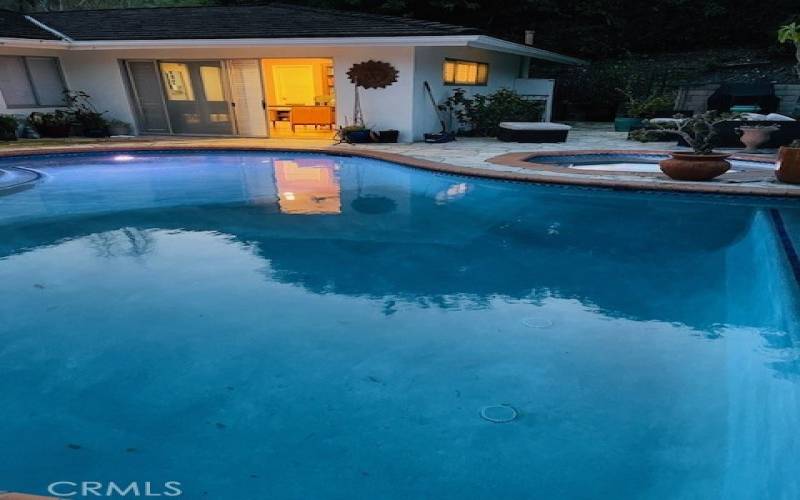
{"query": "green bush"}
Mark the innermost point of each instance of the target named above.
(8, 128)
(649, 106)
(481, 114)
(55, 124)
(88, 120)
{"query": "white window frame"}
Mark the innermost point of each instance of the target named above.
(34, 92)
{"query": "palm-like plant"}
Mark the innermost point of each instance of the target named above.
(791, 33)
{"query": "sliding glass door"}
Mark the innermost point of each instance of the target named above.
(195, 96)
(198, 97)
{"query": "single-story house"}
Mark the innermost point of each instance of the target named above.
(251, 70)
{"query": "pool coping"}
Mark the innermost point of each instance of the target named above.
(523, 169)
(748, 182)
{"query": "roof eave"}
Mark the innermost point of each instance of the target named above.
(476, 41)
(32, 43)
(496, 44)
(383, 41)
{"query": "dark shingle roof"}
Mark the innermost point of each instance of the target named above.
(14, 25)
(267, 21)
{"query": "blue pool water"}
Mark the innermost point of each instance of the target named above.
(298, 326)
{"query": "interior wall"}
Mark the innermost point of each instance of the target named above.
(317, 67)
(428, 62)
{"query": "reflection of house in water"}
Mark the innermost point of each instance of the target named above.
(308, 186)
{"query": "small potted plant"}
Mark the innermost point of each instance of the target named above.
(119, 127)
(787, 168)
(702, 163)
(8, 128)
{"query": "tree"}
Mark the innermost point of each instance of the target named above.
(791, 33)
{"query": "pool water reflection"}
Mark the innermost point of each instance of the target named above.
(303, 326)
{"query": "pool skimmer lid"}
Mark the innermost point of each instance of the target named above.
(499, 414)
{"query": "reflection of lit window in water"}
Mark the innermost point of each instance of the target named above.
(452, 193)
(307, 186)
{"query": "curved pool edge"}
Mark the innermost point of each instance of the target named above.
(524, 170)
(747, 183)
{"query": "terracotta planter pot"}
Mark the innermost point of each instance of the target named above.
(787, 168)
(754, 137)
(695, 167)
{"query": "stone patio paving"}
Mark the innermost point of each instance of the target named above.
(473, 152)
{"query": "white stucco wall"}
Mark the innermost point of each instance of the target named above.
(403, 106)
(428, 61)
(98, 73)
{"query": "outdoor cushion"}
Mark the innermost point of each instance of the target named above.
(534, 126)
(532, 132)
(754, 116)
(775, 117)
(664, 121)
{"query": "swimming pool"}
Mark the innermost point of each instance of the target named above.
(290, 325)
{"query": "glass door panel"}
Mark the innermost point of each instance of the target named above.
(247, 97)
(144, 80)
(195, 95)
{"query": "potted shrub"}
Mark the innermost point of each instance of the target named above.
(703, 163)
(119, 127)
(55, 124)
(787, 168)
(8, 128)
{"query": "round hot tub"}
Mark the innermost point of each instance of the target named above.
(630, 162)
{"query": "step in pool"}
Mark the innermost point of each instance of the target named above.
(14, 177)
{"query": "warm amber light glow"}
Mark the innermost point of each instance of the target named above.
(177, 81)
(307, 186)
(465, 72)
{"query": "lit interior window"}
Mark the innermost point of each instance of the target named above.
(465, 72)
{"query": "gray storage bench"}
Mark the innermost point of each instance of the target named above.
(533, 132)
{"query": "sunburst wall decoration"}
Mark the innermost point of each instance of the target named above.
(373, 74)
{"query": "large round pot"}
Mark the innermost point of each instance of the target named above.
(695, 167)
(787, 168)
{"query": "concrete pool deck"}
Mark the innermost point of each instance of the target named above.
(484, 157)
